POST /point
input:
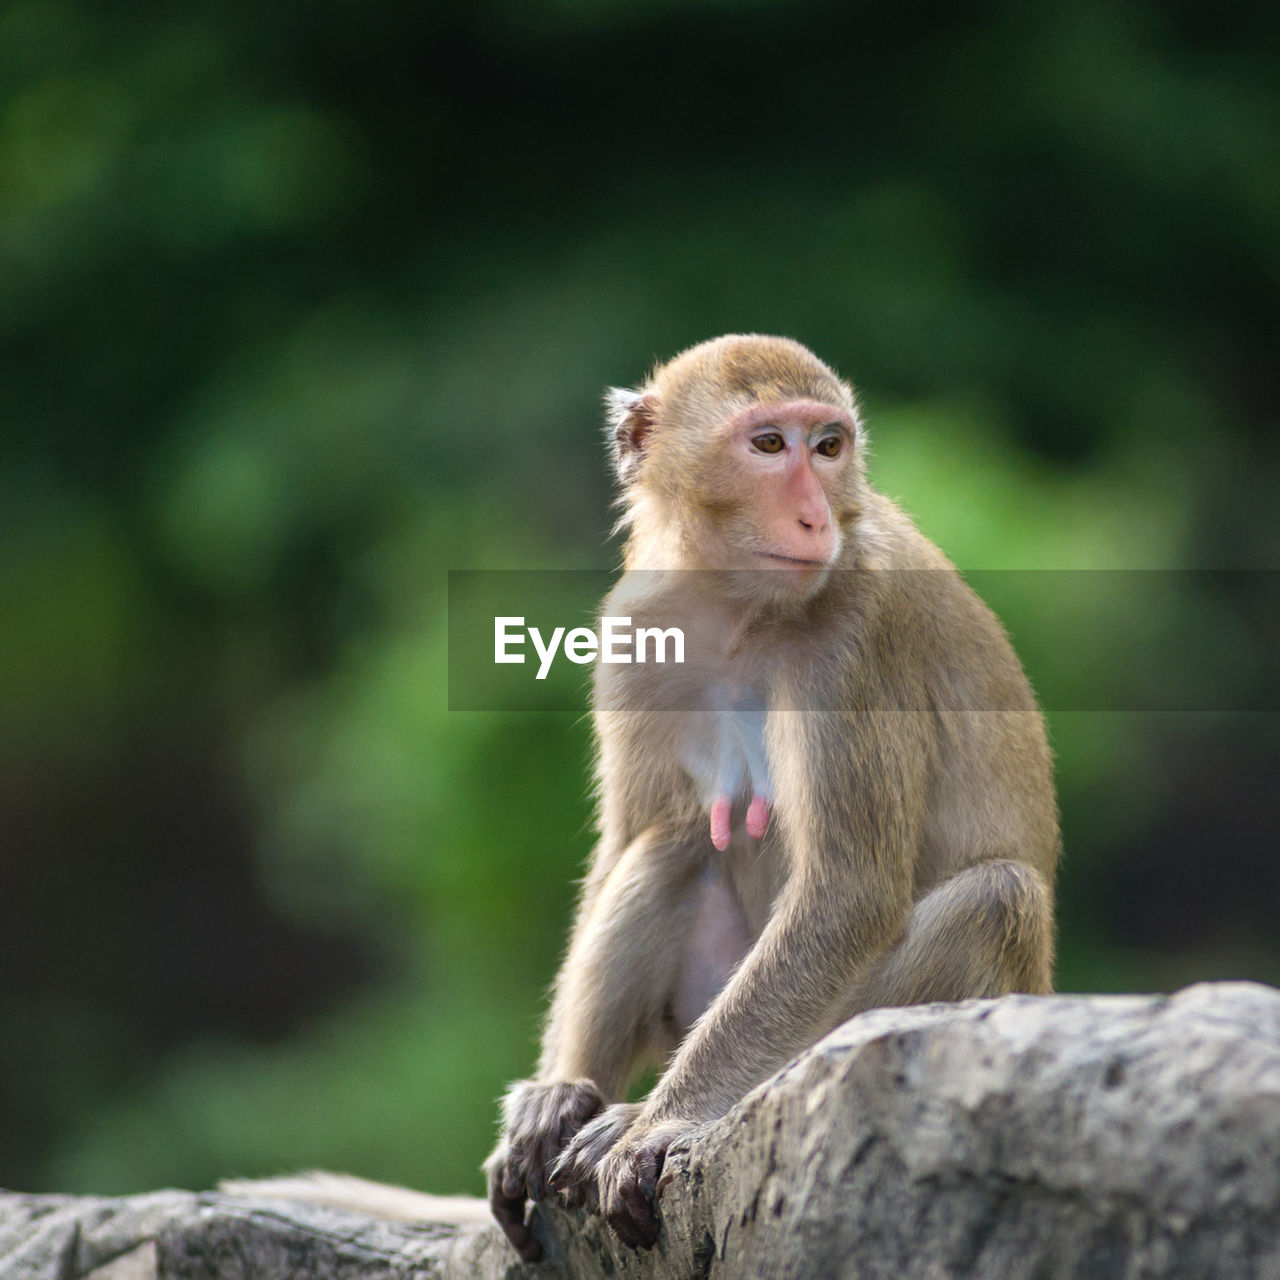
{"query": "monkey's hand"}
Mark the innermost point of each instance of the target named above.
(614, 1165)
(538, 1120)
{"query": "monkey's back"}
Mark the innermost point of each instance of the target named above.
(989, 786)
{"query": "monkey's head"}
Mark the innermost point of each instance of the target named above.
(744, 454)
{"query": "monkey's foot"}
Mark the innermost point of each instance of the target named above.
(576, 1174)
(614, 1166)
(538, 1122)
(630, 1179)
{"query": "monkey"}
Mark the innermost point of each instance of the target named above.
(842, 800)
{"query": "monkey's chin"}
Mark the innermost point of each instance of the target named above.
(779, 580)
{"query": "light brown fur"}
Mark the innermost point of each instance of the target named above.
(911, 850)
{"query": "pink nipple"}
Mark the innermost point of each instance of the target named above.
(758, 816)
(720, 823)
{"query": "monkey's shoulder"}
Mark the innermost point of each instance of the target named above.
(908, 618)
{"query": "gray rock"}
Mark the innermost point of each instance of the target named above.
(1067, 1136)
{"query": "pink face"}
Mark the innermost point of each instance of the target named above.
(793, 457)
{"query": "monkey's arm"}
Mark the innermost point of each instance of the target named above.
(849, 828)
(849, 814)
(610, 991)
(782, 998)
(604, 1016)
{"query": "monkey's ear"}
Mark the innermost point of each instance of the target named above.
(629, 417)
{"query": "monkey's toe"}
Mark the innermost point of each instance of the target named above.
(629, 1185)
(632, 1216)
(569, 1180)
(509, 1213)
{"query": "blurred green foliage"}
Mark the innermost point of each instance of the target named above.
(303, 306)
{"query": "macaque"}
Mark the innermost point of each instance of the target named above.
(843, 799)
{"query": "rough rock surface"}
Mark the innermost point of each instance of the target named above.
(1063, 1136)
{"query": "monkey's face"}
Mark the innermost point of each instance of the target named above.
(740, 455)
(777, 482)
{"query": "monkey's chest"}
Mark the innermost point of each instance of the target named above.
(724, 754)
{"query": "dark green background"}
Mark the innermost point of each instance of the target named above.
(303, 305)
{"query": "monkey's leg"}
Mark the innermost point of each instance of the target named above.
(606, 1014)
(626, 953)
(985, 931)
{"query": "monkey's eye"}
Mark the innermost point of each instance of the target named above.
(829, 446)
(768, 442)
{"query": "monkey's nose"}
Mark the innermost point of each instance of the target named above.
(818, 526)
(816, 539)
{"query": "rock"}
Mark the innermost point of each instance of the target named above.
(1072, 1136)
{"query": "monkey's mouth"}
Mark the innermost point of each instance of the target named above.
(803, 564)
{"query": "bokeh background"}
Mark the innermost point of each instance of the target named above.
(303, 305)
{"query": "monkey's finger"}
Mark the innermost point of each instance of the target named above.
(516, 1230)
(576, 1182)
(564, 1182)
(513, 1187)
(538, 1179)
(586, 1106)
(581, 1185)
(533, 1170)
(508, 1211)
(621, 1225)
(647, 1166)
(540, 1175)
(622, 1218)
(572, 1164)
(643, 1218)
(560, 1175)
(588, 1102)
